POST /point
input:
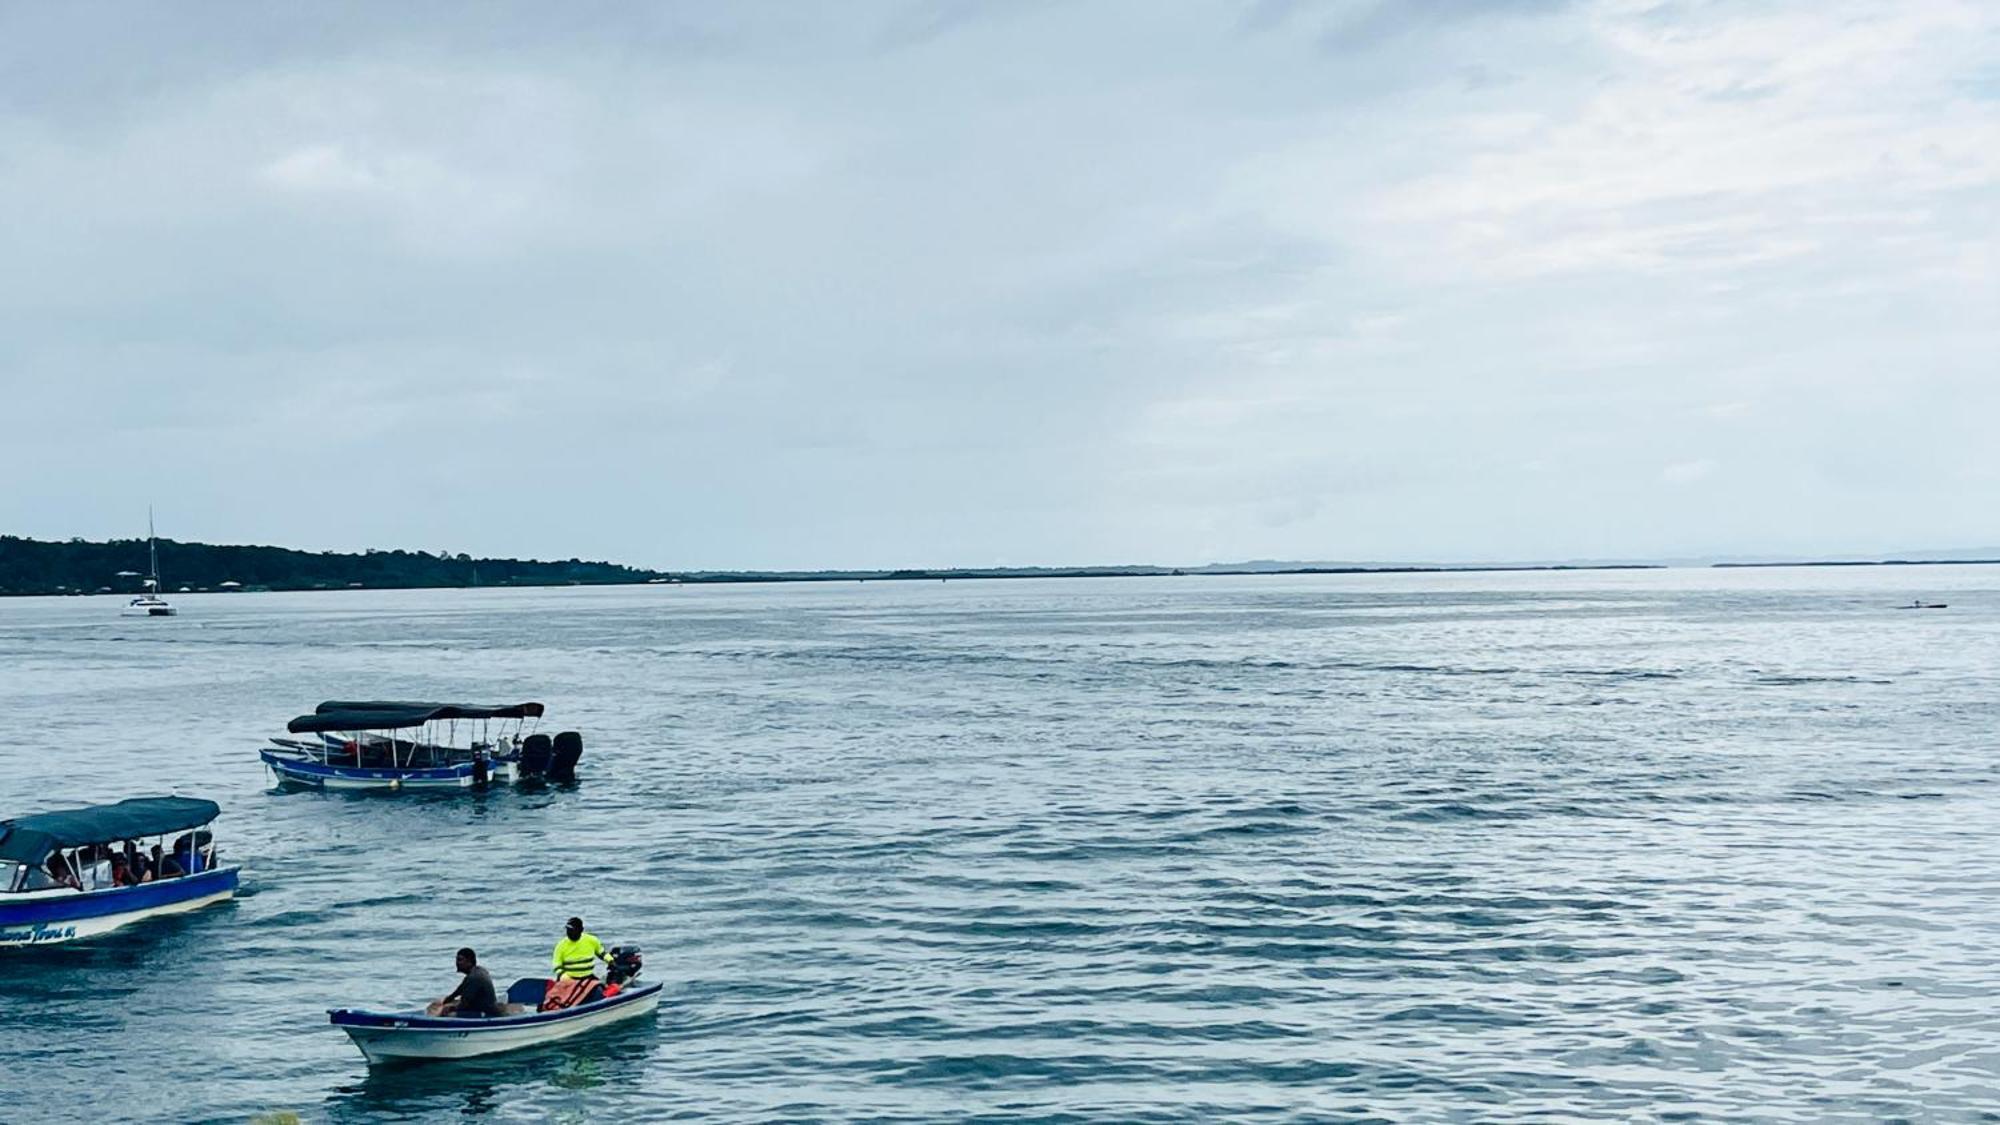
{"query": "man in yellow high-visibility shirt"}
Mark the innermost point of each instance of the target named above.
(578, 953)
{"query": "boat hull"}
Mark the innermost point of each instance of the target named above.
(300, 772)
(53, 917)
(388, 1038)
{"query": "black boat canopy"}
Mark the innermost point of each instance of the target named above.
(30, 839)
(336, 715)
(460, 710)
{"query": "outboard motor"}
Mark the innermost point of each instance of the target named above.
(568, 748)
(482, 770)
(535, 755)
(625, 965)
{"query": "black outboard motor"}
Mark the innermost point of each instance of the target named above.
(625, 965)
(535, 755)
(482, 769)
(568, 748)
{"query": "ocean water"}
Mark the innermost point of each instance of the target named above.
(1656, 845)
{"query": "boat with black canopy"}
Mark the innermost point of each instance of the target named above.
(405, 744)
(77, 873)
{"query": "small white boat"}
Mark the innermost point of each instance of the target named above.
(150, 603)
(394, 1037)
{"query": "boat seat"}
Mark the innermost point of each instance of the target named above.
(568, 748)
(536, 750)
(528, 991)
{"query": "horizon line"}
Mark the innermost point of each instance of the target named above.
(1732, 560)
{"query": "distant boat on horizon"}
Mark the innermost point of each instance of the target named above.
(150, 603)
(1921, 604)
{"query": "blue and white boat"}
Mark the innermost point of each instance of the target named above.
(56, 868)
(396, 1037)
(398, 744)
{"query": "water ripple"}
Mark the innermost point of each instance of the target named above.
(1660, 845)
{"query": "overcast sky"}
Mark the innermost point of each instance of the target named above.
(939, 283)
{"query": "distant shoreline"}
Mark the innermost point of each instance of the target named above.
(1211, 571)
(43, 568)
(1856, 562)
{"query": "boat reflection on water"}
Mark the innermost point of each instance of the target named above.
(538, 1082)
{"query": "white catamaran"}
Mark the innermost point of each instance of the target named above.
(150, 603)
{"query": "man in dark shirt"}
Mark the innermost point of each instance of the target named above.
(473, 998)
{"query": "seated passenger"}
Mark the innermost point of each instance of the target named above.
(474, 997)
(55, 873)
(135, 863)
(187, 856)
(121, 873)
(163, 865)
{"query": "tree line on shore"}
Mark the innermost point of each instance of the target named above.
(76, 566)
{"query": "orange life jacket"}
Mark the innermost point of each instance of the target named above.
(568, 992)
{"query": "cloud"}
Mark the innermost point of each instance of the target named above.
(1717, 143)
(1370, 23)
(951, 281)
(320, 168)
(1688, 472)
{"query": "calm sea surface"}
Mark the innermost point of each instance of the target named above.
(1478, 847)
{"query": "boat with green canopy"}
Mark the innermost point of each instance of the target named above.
(77, 873)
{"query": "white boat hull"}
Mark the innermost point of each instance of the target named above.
(57, 930)
(414, 1044)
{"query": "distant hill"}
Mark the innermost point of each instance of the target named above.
(33, 566)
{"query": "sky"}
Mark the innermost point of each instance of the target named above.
(937, 283)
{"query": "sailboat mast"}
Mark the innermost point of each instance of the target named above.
(152, 553)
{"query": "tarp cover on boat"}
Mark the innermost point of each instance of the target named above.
(29, 839)
(338, 715)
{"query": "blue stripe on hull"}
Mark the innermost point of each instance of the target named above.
(347, 1017)
(314, 773)
(118, 900)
